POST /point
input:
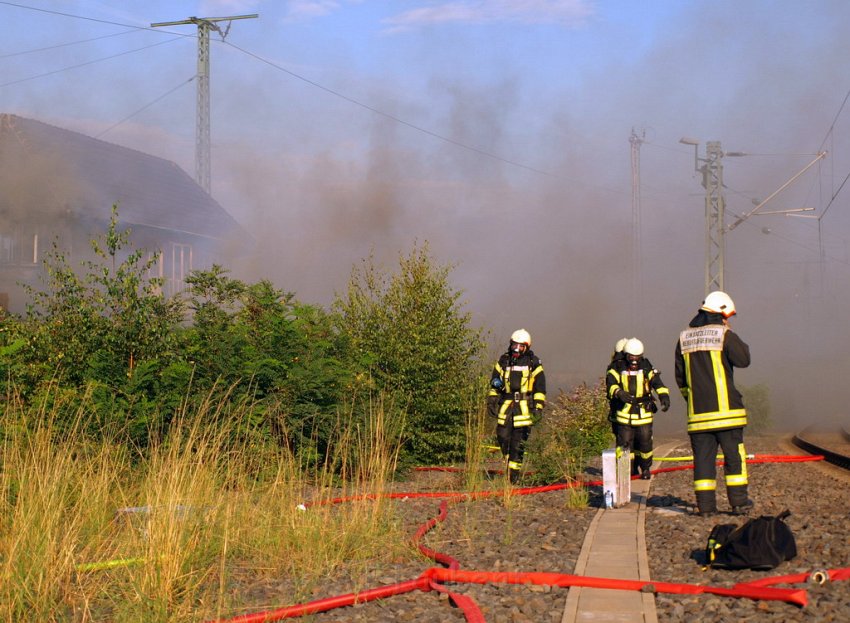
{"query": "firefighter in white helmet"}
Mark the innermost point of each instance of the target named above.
(631, 381)
(614, 404)
(706, 353)
(516, 398)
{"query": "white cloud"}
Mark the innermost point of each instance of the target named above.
(568, 13)
(228, 7)
(307, 9)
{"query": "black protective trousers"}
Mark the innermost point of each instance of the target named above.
(704, 446)
(512, 442)
(639, 440)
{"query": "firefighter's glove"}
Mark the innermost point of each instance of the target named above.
(625, 396)
(665, 401)
(493, 406)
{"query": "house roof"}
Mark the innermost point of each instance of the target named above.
(86, 176)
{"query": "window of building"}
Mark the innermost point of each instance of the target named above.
(181, 266)
(18, 247)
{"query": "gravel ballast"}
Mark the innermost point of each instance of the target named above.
(540, 533)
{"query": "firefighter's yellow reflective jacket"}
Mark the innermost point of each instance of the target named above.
(639, 383)
(706, 353)
(524, 388)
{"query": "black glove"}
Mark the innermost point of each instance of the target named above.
(493, 406)
(665, 401)
(625, 396)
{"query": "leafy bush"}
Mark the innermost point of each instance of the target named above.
(254, 339)
(98, 325)
(103, 335)
(410, 337)
(575, 427)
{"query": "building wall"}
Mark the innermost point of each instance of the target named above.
(24, 247)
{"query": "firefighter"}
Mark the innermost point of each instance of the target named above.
(706, 353)
(614, 403)
(516, 398)
(631, 381)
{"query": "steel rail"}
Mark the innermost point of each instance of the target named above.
(829, 456)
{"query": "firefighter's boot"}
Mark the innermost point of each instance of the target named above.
(706, 503)
(514, 476)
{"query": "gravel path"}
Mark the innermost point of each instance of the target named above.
(539, 533)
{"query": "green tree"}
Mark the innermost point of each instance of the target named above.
(258, 341)
(100, 323)
(102, 331)
(411, 338)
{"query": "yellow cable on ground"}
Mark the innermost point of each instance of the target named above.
(109, 564)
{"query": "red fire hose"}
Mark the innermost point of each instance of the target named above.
(421, 583)
(819, 576)
(432, 578)
(793, 596)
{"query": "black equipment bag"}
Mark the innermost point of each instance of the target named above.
(761, 543)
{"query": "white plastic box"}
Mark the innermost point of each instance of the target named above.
(616, 477)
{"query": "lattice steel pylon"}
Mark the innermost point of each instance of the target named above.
(203, 160)
(715, 208)
(637, 271)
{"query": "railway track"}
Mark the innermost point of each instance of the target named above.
(835, 448)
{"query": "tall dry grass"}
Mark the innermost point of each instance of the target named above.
(93, 532)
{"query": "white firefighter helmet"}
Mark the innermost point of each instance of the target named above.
(521, 336)
(634, 347)
(719, 303)
(620, 345)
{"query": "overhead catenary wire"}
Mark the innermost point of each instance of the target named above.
(91, 62)
(387, 115)
(280, 68)
(299, 77)
(82, 17)
(68, 44)
(826, 137)
(146, 106)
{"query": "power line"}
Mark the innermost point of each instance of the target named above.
(272, 64)
(829, 133)
(72, 15)
(834, 121)
(834, 195)
(800, 244)
(388, 115)
(146, 106)
(65, 45)
(92, 62)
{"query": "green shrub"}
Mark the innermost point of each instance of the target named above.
(574, 428)
(410, 337)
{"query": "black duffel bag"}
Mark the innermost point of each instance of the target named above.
(760, 543)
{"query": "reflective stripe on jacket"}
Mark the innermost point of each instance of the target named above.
(639, 383)
(706, 353)
(524, 387)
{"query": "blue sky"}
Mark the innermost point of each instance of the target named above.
(498, 132)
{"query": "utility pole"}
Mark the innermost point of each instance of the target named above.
(202, 122)
(715, 209)
(637, 272)
(715, 206)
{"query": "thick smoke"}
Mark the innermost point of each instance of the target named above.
(537, 217)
